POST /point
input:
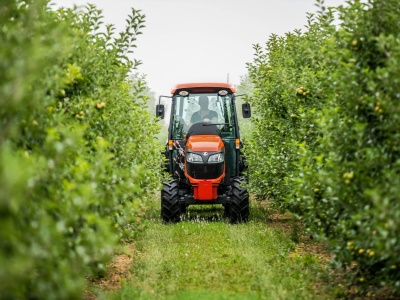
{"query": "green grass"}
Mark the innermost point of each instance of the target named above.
(205, 257)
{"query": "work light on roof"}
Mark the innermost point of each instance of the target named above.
(183, 93)
(223, 92)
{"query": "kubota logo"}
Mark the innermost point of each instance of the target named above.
(205, 153)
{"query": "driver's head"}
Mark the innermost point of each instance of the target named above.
(203, 102)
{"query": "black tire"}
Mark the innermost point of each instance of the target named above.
(226, 210)
(238, 207)
(170, 208)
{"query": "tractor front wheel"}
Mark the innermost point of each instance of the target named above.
(238, 209)
(170, 208)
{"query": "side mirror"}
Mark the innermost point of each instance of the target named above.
(246, 110)
(160, 111)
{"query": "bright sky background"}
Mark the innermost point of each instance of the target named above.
(188, 40)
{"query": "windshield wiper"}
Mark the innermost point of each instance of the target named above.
(210, 124)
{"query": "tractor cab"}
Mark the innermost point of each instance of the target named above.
(204, 151)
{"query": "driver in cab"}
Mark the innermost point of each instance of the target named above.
(204, 114)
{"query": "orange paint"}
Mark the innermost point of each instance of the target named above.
(205, 143)
(205, 189)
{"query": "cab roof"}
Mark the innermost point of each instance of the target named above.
(203, 87)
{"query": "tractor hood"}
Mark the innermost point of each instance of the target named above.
(205, 143)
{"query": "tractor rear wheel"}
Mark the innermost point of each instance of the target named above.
(170, 208)
(238, 208)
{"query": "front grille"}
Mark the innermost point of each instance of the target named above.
(205, 171)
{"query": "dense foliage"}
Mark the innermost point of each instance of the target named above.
(325, 144)
(77, 152)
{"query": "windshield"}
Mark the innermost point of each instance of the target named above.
(202, 108)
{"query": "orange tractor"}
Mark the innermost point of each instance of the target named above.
(203, 151)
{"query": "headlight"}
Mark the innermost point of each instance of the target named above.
(194, 158)
(216, 158)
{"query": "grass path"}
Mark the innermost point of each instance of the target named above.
(205, 257)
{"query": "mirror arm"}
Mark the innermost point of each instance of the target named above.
(159, 98)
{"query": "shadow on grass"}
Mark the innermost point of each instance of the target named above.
(260, 212)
